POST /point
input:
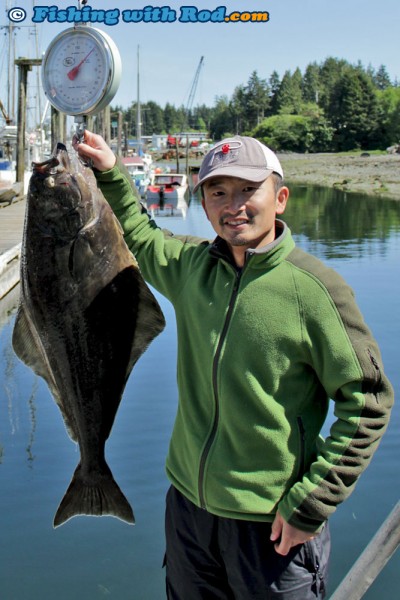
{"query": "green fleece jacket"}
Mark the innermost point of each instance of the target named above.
(261, 352)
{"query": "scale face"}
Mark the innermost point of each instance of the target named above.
(81, 71)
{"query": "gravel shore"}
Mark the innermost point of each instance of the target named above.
(377, 175)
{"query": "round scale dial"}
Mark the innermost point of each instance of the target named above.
(81, 71)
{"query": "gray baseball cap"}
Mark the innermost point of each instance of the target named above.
(239, 156)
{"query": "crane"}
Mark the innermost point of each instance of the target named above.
(194, 87)
(172, 141)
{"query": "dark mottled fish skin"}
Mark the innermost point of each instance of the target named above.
(85, 317)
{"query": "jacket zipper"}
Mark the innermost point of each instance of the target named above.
(213, 432)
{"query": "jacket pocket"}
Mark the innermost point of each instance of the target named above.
(301, 449)
(376, 375)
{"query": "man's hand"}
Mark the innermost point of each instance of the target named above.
(95, 148)
(287, 536)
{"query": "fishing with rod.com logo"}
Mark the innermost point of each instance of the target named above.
(147, 14)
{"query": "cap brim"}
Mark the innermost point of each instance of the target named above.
(247, 173)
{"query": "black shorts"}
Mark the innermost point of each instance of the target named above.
(209, 557)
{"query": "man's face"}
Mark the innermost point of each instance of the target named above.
(242, 212)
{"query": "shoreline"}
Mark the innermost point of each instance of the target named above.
(373, 174)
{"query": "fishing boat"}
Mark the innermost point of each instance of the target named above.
(35, 148)
(140, 171)
(166, 192)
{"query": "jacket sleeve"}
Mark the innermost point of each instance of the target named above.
(347, 361)
(160, 254)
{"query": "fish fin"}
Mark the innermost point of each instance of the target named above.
(150, 321)
(29, 348)
(101, 497)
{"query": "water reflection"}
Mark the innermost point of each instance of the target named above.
(19, 408)
(175, 205)
(334, 224)
(179, 209)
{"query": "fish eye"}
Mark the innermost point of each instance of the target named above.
(50, 182)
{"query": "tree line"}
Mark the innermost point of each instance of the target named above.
(332, 106)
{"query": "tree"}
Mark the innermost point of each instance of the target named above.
(256, 98)
(389, 120)
(289, 95)
(274, 83)
(238, 109)
(201, 117)
(381, 78)
(330, 73)
(354, 110)
(250, 102)
(311, 83)
(169, 118)
(222, 121)
(152, 118)
(296, 133)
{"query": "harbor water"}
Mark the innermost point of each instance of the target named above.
(101, 558)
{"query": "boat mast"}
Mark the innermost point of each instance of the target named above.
(11, 68)
(138, 111)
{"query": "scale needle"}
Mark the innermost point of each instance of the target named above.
(74, 72)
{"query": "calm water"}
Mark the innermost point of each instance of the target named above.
(89, 558)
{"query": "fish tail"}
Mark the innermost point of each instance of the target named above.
(99, 496)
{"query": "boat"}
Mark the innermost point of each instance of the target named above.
(139, 165)
(140, 171)
(166, 193)
(10, 189)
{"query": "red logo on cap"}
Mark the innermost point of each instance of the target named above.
(225, 149)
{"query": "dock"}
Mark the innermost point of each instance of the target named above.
(11, 229)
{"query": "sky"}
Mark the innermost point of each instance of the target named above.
(296, 33)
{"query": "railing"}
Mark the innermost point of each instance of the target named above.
(372, 560)
(9, 269)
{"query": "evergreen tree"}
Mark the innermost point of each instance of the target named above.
(256, 99)
(201, 116)
(330, 73)
(152, 118)
(381, 78)
(222, 120)
(289, 95)
(238, 107)
(274, 83)
(311, 83)
(356, 110)
(170, 118)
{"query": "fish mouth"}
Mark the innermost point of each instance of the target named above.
(51, 165)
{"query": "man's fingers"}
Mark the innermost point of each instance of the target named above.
(282, 547)
(276, 528)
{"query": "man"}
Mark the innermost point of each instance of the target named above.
(266, 335)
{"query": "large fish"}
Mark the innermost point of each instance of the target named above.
(85, 317)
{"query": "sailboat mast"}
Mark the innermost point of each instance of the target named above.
(11, 72)
(138, 115)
